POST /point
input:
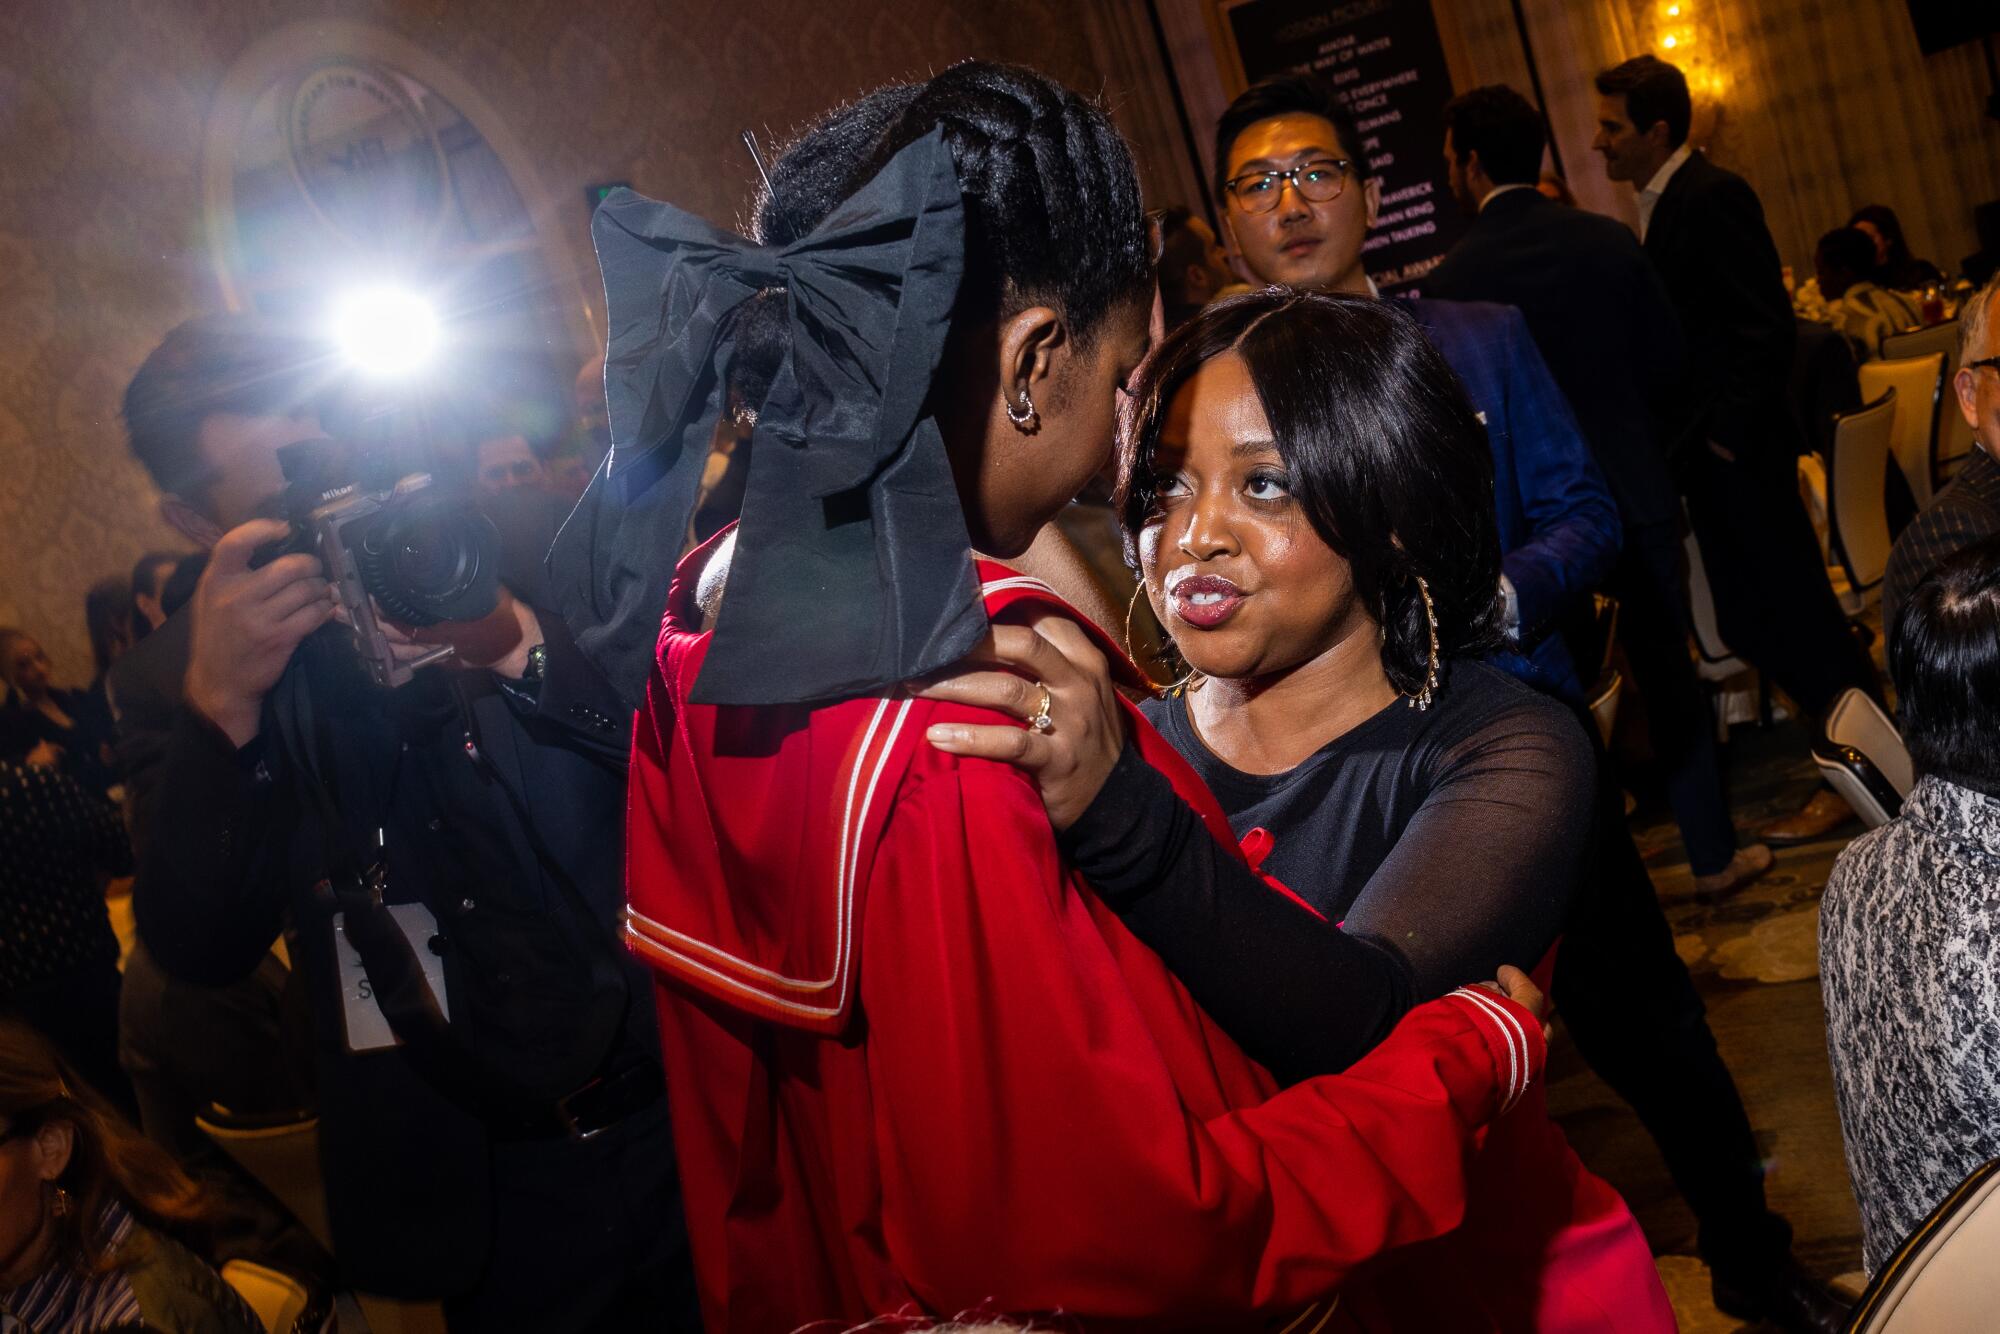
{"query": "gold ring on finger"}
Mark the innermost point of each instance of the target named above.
(1041, 722)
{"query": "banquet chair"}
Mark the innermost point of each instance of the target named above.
(282, 1154)
(277, 1298)
(1862, 756)
(1942, 1279)
(1812, 490)
(1954, 434)
(1604, 704)
(1714, 661)
(1855, 506)
(1919, 386)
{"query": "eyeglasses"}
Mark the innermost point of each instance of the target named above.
(1319, 181)
(1994, 362)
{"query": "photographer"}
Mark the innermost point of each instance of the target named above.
(443, 856)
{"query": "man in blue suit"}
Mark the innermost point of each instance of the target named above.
(1298, 199)
(1559, 529)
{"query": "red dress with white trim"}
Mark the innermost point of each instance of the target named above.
(916, 1068)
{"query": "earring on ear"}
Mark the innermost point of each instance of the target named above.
(59, 1207)
(1421, 700)
(1133, 653)
(1027, 421)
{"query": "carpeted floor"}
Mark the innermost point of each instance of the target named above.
(1754, 957)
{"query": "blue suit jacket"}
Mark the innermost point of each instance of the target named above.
(1559, 529)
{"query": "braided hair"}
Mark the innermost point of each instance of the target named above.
(1053, 213)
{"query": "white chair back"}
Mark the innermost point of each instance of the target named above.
(1919, 386)
(1858, 721)
(1812, 490)
(1854, 500)
(1954, 433)
(1863, 758)
(277, 1298)
(1717, 661)
(1604, 704)
(1942, 1280)
(283, 1157)
(1921, 342)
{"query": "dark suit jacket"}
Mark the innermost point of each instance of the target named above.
(1559, 528)
(1965, 512)
(145, 688)
(1720, 267)
(1601, 321)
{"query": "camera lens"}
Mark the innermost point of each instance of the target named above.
(430, 555)
(427, 561)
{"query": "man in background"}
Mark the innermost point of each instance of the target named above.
(1193, 265)
(505, 461)
(1612, 341)
(149, 578)
(1968, 510)
(1731, 440)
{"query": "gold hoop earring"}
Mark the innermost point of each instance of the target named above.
(1131, 607)
(1168, 652)
(1421, 700)
(1026, 420)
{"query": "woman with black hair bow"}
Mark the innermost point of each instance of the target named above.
(916, 1064)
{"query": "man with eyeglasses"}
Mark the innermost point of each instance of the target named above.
(1299, 198)
(1968, 510)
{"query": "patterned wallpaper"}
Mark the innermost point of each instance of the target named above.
(102, 244)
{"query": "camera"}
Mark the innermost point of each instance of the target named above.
(400, 543)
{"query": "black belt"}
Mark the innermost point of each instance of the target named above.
(597, 1106)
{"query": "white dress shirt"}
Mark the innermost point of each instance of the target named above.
(1649, 197)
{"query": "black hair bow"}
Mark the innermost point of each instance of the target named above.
(852, 568)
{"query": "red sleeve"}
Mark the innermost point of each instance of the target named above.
(1035, 1150)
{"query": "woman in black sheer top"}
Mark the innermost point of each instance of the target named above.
(1309, 498)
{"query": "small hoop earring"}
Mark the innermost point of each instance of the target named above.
(1421, 700)
(1026, 420)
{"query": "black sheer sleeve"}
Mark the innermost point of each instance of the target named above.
(1298, 994)
(1480, 876)
(1483, 873)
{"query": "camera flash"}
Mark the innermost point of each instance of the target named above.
(385, 331)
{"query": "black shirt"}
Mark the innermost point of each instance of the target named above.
(1444, 843)
(1451, 834)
